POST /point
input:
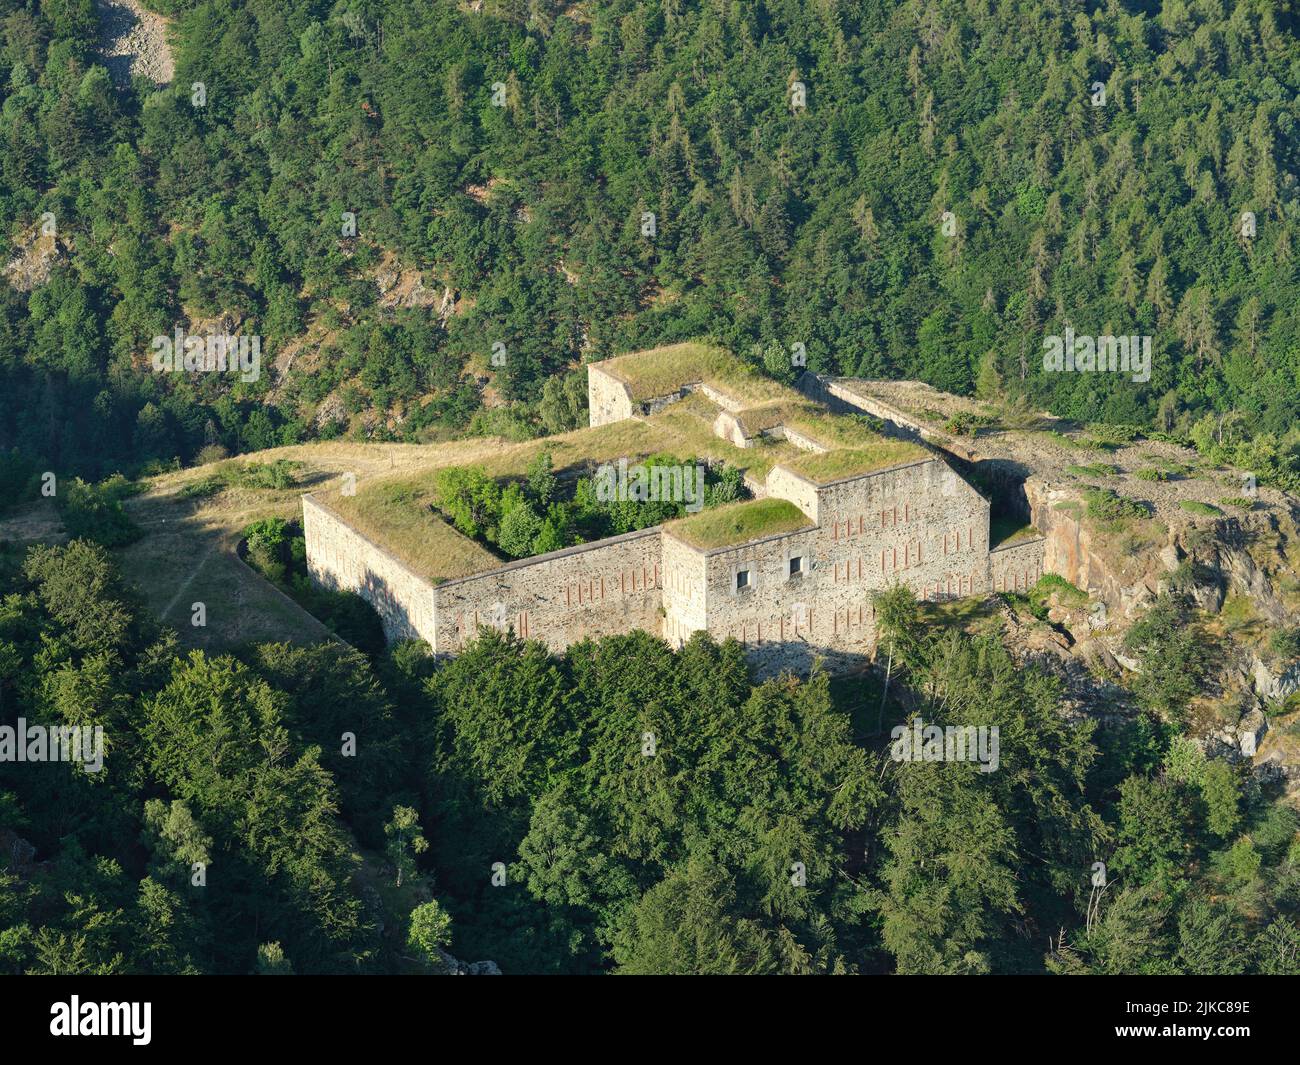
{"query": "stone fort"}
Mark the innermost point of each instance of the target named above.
(843, 506)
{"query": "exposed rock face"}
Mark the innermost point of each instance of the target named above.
(1234, 554)
(133, 41)
(1073, 551)
(474, 968)
(35, 255)
(1273, 683)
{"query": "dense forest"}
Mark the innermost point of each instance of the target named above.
(621, 808)
(919, 189)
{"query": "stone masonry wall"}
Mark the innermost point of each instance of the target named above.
(782, 620)
(607, 398)
(788, 485)
(919, 525)
(611, 586)
(1016, 567)
(340, 558)
(685, 584)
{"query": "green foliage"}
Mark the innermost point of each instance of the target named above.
(1096, 469)
(95, 512)
(556, 267)
(430, 928)
(1285, 642)
(541, 514)
(1107, 507)
(280, 474)
(17, 479)
(271, 961)
(404, 842)
(954, 884)
(657, 810)
(1174, 655)
(277, 550)
(967, 424)
(268, 542)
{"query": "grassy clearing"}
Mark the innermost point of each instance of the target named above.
(1112, 510)
(192, 521)
(693, 435)
(1070, 443)
(187, 556)
(1204, 510)
(1067, 594)
(842, 431)
(739, 523)
(769, 415)
(972, 614)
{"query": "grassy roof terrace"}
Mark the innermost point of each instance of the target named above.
(661, 371)
(400, 518)
(854, 462)
(739, 523)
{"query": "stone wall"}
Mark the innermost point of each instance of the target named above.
(805, 595)
(784, 620)
(1016, 567)
(783, 483)
(685, 589)
(919, 525)
(610, 586)
(727, 427)
(608, 399)
(341, 558)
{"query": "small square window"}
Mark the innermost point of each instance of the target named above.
(796, 565)
(742, 579)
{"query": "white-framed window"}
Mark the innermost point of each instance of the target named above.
(794, 567)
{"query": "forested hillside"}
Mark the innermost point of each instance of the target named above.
(510, 151)
(622, 808)
(432, 214)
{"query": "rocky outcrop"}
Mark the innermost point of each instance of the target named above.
(473, 968)
(133, 41)
(1275, 683)
(1127, 570)
(1073, 550)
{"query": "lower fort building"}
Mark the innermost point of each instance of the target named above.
(840, 510)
